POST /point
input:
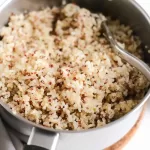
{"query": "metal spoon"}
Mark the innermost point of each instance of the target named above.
(130, 58)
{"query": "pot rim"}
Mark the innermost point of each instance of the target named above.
(143, 101)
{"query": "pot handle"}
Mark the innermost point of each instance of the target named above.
(33, 147)
(42, 140)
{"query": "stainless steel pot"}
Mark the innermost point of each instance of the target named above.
(129, 12)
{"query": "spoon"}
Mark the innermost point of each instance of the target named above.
(124, 54)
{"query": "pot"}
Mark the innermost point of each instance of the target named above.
(40, 137)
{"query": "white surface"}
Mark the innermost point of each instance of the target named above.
(141, 140)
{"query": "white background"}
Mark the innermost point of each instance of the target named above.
(141, 140)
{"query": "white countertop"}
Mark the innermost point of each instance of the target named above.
(141, 140)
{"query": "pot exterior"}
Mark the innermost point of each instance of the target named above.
(94, 140)
(98, 139)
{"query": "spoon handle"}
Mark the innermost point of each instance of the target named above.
(130, 58)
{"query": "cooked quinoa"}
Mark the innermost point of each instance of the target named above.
(57, 69)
